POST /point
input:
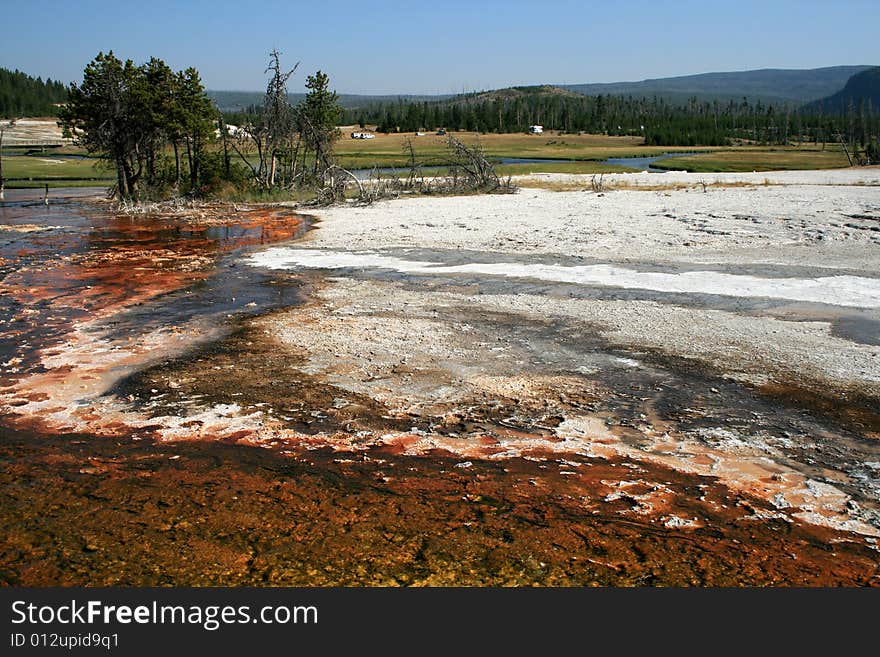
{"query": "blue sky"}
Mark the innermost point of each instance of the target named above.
(444, 47)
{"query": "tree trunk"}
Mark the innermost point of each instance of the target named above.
(195, 172)
(261, 171)
(225, 135)
(151, 166)
(131, 179)
(189, 159)
(176, 165)
(121, 188)
(293, 160)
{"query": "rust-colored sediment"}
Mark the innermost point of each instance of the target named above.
(80, 510)
(325, 486)
(125, 260)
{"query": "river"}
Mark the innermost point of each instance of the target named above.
(634, 163)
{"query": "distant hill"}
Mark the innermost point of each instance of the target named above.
(861, 87)
(512, 93)
(23, 95)
(766, 85)
(792, 86)
(234, 101)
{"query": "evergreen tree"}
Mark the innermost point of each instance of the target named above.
(129, 114)
(23, 95)
(318, 116)
(196, 115)
(101, 116)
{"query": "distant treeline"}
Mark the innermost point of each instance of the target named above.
(23, 95)
(659, 122)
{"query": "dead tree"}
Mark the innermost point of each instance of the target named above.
(278, 117)
(333, 183)
(413, 164)
(845, 149)
(272, 133)
(471, 170)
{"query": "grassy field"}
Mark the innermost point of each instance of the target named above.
(753, 159)
(575, 154)
(53, 184)
(388, 150)
(37, 170)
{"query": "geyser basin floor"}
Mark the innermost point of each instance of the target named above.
(182, 419)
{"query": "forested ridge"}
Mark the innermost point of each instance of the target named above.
(795, 86)
(861, 89)
(695, 123)
(23, 95)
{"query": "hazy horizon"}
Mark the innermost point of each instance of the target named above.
(552, 84)
(395, 49)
